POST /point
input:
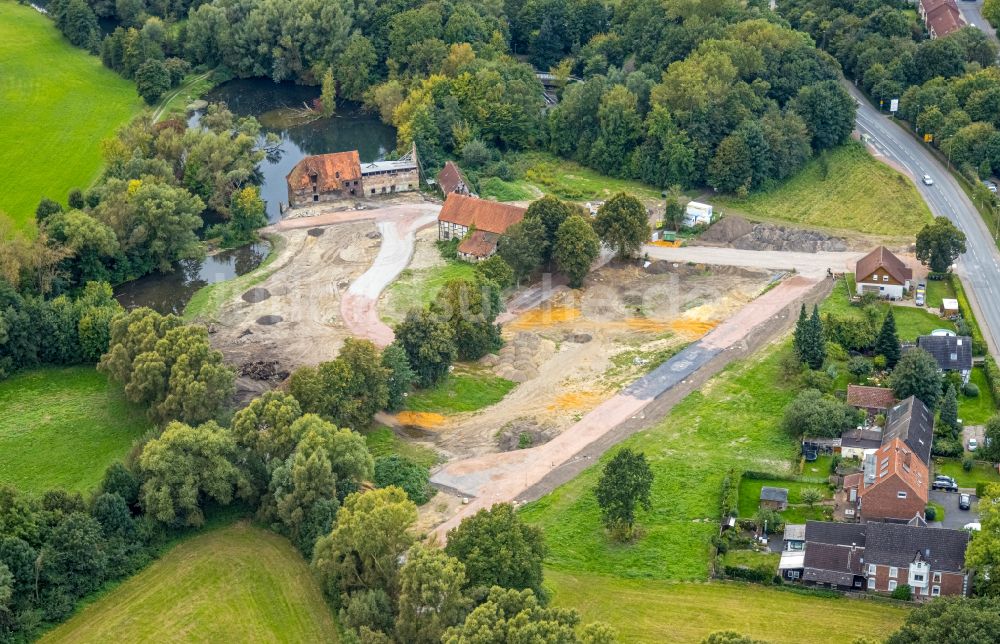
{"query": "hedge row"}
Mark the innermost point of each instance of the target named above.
(978, 343)
(730, 494)
(759, 576)
(992, 377)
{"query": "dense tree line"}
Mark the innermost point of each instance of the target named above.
(60, 331)
(884, 48)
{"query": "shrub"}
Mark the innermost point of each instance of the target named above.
(860, 367)
(879, 362)
(930, 513)
(405, 474)
(771, 519)
(749, 574)
(946, 447)
(817, 380)
(730, 494)
(449, 249)
(967, 463)
(970, 390)
(981, 488)
(992, 373)
(903, 592)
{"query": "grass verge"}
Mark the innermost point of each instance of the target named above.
(733, 421)
(467, 388)
(237, 583)
(62, 427)
(849, 190)
(205, 303)
(56, 105)
(658, 611)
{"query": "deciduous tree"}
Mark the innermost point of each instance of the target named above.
(431, 595)
(499, 549)
(429, 344)
(951, 620)
(401, 376)
(815, 415)
(410, 477)
(576, 247)
(622, 224)
(523, 247)
(623, 488)
(939, 244)
(470, 307)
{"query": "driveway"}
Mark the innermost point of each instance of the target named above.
(953, 517)
(973, 431)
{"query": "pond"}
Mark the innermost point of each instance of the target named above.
(279, 107)
(170, 292)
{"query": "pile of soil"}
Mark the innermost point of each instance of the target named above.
(737, 232)
(518, 360)
(263, 370)
(523, 433)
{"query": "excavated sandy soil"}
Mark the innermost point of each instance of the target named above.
(581, 347)
(293, 317)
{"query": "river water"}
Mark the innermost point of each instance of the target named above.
(277, 106)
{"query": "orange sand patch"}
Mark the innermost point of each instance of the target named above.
(668, 244)
(576, 401)
(646, 325)
(536, 318)
(691, 329)
(423, 419)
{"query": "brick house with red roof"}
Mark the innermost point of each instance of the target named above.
(873, 400)
(341, 175)
(892, 487)
(941, 17)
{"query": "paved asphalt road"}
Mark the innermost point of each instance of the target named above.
(980, 266)
(972, 12)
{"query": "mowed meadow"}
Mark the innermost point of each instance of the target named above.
(57, 103)
(61, 427)
(233, 584)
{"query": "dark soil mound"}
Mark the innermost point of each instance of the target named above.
(269, 319)
(255, 295)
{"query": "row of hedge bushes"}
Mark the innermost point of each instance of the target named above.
(730, 494)
(992, 373)
(756, 575)
(978, 342)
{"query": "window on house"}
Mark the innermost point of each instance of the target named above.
(793, 574)
(936, 591)
(885, 278)
(918, 577)
(893, 572)
(373, 190)
(871, 569)
(900, 495)
(892, 586)
(937, 577)
(871, 583)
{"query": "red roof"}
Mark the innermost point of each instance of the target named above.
(481, 214)
(943, 20)
(479, 244)
(450, 178)
(881, 257)
(870, 397)
(900, 461)
(330, 171)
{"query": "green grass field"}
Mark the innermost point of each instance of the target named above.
(659, 611)
(497, 188)
(910, 321)
(857, 193)
(467, 388)
(937, 290)
(382, 441)
(569, 180)
(62, 427)
(418, 288)
(234, 584)
(56, 105)
(733, 421)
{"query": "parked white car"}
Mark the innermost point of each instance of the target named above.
(973, 444)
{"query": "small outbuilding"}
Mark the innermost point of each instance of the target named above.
(949, 307)
(773, 498)
(697, 213)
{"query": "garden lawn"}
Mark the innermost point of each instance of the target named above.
(750, 498)
(418, 288)
(382, 441)
(574, 182)
(56, 105)
(62, 427)
(752, 559)
(910, 321)
(980, 472)
(938, 290)
(733, 421)
(854, 192)
(659, 611)
(978, 410)
(467, 388)
(938, 510)
(235, 584)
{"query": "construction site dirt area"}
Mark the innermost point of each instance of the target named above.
(580, 347)
(293, 318)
